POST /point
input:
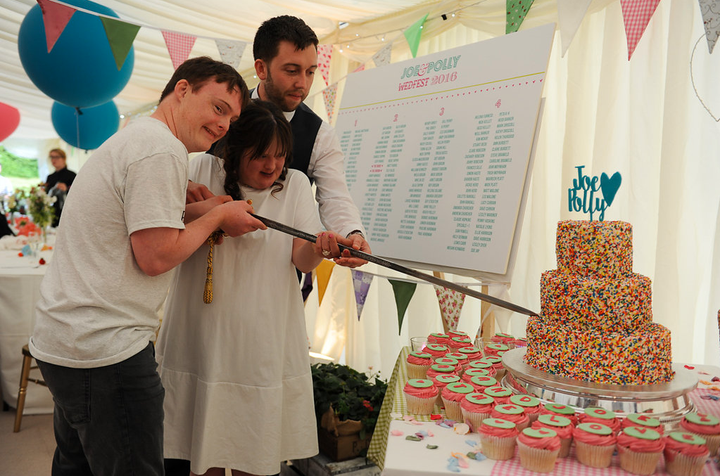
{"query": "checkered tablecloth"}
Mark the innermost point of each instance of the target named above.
(706, 399)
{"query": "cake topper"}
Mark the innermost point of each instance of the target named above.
(583, 195)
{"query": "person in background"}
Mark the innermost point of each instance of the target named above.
(239, 369)
(125, 225)
(58, 183)
(6, 188)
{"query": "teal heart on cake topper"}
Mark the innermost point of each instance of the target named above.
(610, 186)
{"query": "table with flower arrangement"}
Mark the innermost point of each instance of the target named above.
(20, 278)
(435, 448)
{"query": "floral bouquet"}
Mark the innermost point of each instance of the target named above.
(25, 227)
(40, 207)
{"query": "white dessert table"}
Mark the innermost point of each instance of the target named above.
(20, 279)
(397, 456)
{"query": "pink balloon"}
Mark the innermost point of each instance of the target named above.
(9, 120)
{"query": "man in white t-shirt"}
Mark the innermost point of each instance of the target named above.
(124, 227)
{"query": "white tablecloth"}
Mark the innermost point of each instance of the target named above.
(20, 279)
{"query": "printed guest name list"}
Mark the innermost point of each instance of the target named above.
(437, 150)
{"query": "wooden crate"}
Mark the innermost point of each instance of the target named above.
(341, 448)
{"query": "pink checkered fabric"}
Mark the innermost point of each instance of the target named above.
(636, 14)
(179, 46)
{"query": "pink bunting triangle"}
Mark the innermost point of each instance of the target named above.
(330, 95)
(179, 46)
(324, 55)
(56, 18)
(637, 14)
(361, 284)
(451, 303)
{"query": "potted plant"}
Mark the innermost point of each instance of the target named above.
(347, 405)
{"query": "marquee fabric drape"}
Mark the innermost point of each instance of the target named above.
(641, 118)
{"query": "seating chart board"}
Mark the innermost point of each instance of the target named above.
(437, 149)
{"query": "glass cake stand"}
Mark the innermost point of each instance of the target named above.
(668, 401)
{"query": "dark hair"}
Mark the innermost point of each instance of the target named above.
(200, 70)
(260, 124)
(282, 28)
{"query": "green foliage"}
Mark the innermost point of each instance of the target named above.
(352, 394)
(20, 167)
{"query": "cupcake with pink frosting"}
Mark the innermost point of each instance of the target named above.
(498, 438)
(475, 408)
(440, 382)
(502, 338)
(538, 449)
(594, 444)
(436, 350)
(496, 362)
(417, 364)
(600, 415)
(705, 426)
(455, 333)
(642, 420)
(510, 412)
(685, 454)
(640, 449)
(494, 348)
(452, 395)
(562, 426)
(420, 395)
(461, 358)
(500, 394)
(482, 383)
(438, 338)
(472, 353)
(530, 404)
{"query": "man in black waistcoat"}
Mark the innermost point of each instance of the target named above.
(285, 52)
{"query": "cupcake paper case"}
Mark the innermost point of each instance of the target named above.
(705, 426)
(685, 454)
(417, 364)
(475, 408)
(498, 438)
(538, 449)
(440, 382)
(640, 449)
(594, 444)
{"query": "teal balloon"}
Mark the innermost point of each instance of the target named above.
(95, 124)
(80, 71)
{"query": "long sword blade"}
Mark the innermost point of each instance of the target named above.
(402, 269)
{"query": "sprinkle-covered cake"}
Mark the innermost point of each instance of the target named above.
(596, 322)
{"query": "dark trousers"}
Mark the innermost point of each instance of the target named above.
(108, 421)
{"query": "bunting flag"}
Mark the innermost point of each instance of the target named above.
(413, 33)
(323, 273)
(231, 51)
(451, 303)
(570, 15)
(361, 284)
(637, 14)
(710, 10)
(330, 95)
(382, 57)
(55, 18)
(403, 294)
(359, 68)
(179, 46)
(120, 35)
(324, 54)
(516, 12)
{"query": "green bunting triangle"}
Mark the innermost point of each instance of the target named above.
(413, 33)
(516, 12)
(403, 294)
(120, 35)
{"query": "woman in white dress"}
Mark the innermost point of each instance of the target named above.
(236, 371)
